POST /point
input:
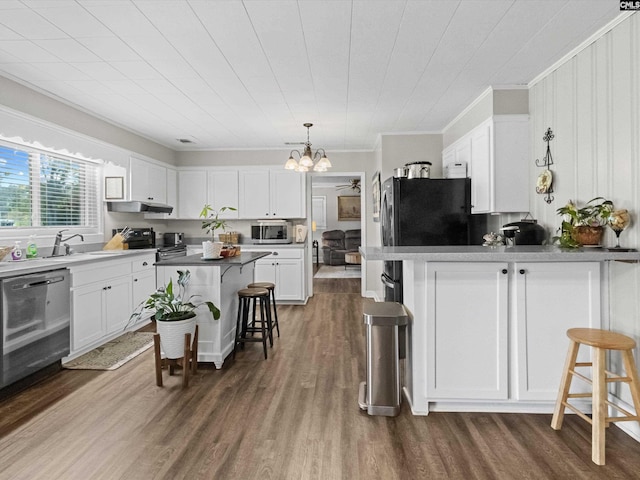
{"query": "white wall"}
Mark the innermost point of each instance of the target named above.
(592, 104)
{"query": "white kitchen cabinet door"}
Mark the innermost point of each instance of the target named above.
(148, 181)
(289, 280)
(497, 156)
(144, 284)
(550, 299)
(254, 194)
(223, 192)
(480, 168)
(272, 194)
(287, 194)
(172, 193)
(118, 307)
(192, 193)
(467, 330)
(285, 269)
(265, 271)
(88, 324)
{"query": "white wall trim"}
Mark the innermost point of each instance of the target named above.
(593, 38)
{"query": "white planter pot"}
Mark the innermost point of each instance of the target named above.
(172, 336)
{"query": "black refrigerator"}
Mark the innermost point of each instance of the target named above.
(425, 211)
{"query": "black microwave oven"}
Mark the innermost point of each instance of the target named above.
(271, 231)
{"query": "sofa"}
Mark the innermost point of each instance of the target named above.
(335, 243)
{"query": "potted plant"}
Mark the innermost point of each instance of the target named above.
(175, 314)
(584, 226)
(212, 219)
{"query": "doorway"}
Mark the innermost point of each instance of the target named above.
(333, 209)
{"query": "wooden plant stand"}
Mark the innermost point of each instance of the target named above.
(189, 361)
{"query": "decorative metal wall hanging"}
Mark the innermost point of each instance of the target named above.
(544, 184)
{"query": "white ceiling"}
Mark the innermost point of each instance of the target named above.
(248, 73)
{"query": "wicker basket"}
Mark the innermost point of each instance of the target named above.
(4, 251)
(230, 237)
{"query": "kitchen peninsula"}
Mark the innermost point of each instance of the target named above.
(489, 324)
(217, 281)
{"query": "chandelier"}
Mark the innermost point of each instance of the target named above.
(307, 158)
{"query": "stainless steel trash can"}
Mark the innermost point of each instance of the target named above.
(385, 326)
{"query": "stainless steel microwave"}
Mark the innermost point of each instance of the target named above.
(272, 231)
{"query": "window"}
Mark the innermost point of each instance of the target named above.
(39, 190)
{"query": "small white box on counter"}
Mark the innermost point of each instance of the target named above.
(456, 170)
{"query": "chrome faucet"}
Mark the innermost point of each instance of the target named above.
(59, 240)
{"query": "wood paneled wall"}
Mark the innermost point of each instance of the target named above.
(592, 104)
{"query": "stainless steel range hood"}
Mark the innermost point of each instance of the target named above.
(135, 206)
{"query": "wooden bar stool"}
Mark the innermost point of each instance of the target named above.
(245, 297)
(189, 360)
(600, 341)
(271, 287)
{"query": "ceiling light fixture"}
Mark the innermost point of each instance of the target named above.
(307, 158)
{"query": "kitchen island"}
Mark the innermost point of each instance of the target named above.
(217, 281)
(488, 327)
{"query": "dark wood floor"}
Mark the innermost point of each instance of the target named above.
(293, 416)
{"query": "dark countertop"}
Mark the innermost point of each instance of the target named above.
(196, 260)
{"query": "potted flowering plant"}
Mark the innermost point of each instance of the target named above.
(584, 226)
(175, 314)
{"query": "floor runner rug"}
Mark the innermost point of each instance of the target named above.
(113, 354)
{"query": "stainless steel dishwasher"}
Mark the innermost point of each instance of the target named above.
(36, 313)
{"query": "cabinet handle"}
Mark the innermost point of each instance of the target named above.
(275, 253)
(149, 198)
(135, 279)
(104, 288)
(505, 271)
(109, 287)
(522, 272)
(144, 264)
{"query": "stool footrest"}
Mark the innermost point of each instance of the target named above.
(578, 412)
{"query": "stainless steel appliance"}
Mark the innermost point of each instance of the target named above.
(425, 211)
(271, 231)
(418, 169)
(165, 253)
(144, 237)
(36, 315)
(172, 239)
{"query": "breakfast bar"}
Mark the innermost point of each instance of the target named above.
(488, 326)
(215, 280)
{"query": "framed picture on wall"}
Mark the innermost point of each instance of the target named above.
(114, 188)
(375, 190)
(348, 208)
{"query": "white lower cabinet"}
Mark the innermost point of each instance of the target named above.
(102, 296)
(284, 268)
(551, 298)
(467, 330)
(497, 331)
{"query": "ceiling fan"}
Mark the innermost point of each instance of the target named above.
(353, 185)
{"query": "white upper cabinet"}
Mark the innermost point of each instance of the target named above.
(148, 181)
(271, 194)
(192, 193)
(497, 155)
(223, 192)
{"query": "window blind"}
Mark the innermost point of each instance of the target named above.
(40, 189)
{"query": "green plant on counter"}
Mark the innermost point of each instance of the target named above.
(169, 306)
(212, 219)
(595, 213)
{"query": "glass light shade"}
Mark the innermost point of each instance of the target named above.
(319, 168)
(324, 162)
(302, 168)
(291, 164)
